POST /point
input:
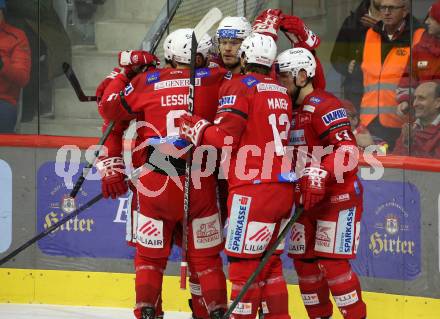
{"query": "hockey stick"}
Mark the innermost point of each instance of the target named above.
(263, 262)
(73, 80)
(134, 175)
(211, 17)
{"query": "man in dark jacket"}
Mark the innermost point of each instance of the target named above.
(347, 51)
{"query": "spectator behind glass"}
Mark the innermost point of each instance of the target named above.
(346, 56)
(15, 65)
(425, 60)
(363, 136)
(422, 138)
(385, 57)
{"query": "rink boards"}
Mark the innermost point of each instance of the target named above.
(88, 263)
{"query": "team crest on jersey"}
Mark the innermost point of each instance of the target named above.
(334, 116)
(315, 100)
(153, 77)
(202, 73)
(250, 81)
(227, 100)
(128, 89)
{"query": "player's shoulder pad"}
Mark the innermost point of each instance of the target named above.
(249, 81)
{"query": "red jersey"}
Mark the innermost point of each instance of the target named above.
(322, 121)
(256, 112)
(162, 96)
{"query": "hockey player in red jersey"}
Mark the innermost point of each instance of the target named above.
(327, 234)
(230, 34)
(110, 162)
(162, 97)
(252, 121)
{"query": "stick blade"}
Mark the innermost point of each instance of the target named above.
(211, 17)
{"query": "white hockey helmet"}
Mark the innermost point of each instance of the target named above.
(259, 49)
(179, 45)
(233, 28)
(295, 60)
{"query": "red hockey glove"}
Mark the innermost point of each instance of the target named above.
(137, 61)
(192, 128)
(298, 33)
(312, 185)
(268, 23)
(101, 87)
(112, 172)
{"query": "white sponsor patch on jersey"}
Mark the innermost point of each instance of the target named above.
(309, 108)
(297, 137)
(345, 231)
(227, 100)
(325, 236)
(262, 87)
(334, 116)
(174, 99)
(347, 299)
(297, 240)
(310, 299)
(243, 308)
(168, 84)
(258, 236)
(149, 232)
(237, 222)
(206, 232)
